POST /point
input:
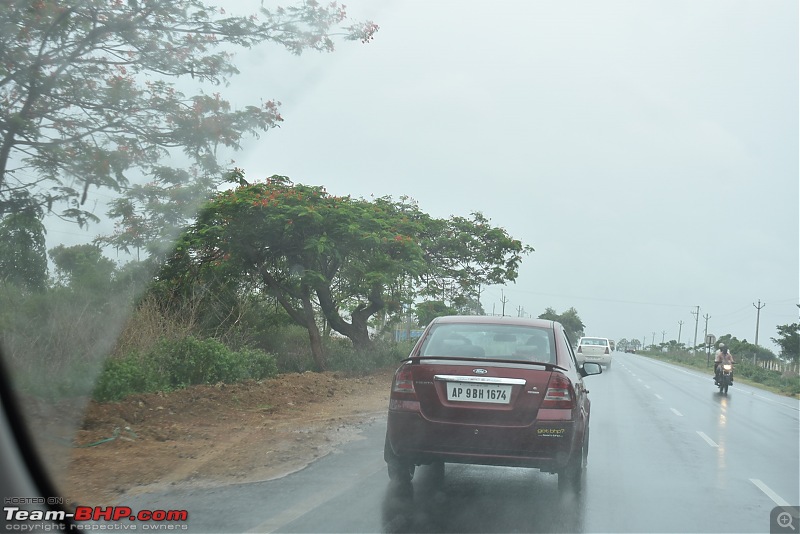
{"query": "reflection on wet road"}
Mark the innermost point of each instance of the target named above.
(668, 453)
(481, 499)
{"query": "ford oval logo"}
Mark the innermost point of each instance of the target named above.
(480, 371)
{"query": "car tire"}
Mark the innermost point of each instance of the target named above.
(570, 480)
(399, 470)
(436, 471)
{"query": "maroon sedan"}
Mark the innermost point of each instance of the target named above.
(493, 391)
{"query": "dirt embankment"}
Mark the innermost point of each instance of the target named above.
(212, 435)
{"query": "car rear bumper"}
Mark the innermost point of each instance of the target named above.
(602, 359)
(547, 445)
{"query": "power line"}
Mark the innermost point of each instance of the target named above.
(601, 299)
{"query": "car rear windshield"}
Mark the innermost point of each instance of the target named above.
(504, 342)
(594, 341)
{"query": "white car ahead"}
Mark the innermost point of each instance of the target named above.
(594, 349)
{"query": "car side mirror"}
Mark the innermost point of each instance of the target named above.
(590, 368)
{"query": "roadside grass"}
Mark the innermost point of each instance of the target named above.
(786, 384)
(177, 363)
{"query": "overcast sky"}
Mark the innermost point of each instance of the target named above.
(648, 150)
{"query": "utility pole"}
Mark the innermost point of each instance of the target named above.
(663, 333)
(478, 302)
(520, 311)
(696, 322)
(758, 316)
(680, 326)
(705, 330)
(653, 343)
(503, 301)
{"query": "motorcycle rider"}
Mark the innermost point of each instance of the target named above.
(722, 356)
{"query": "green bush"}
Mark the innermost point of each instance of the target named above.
(190, 361)
(179, 363)
(343, 357)
(124, 376)
(291, 346)
(257, 364)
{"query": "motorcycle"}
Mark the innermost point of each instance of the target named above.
(725, 377)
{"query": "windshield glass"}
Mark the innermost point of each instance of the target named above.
(224, 226)
(594, 341)
(491, 341)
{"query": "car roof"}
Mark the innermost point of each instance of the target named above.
(494, 319)
(592, 337)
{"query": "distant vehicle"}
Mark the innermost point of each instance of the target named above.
(612, 344)
(595, 349)
(501, 391)
(725, 377)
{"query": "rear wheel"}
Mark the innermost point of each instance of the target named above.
(571, 478)
(436, 470)
(400, 470)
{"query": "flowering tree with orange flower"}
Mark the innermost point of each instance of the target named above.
(323, 256)
(89, 94)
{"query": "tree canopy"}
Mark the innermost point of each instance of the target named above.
(88, 93)
(339, 258)
(744, 349)
(23, 258)
(569, 319)
(789, 341)
(83, 266)
(428, 310)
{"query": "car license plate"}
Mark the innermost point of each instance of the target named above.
(470, 392)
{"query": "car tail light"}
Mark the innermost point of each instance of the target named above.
(560, 393)
(579, 348)
(606, 351)
(403, 381)
(403, 396)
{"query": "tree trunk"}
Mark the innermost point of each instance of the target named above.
(304, 317)
(359, 333)
(356, 330)
(314, 335)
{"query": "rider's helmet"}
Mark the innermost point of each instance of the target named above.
(722, 345)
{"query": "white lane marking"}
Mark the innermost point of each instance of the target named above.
(676, 412)
(640, 380)
(648, 387)
(275, 523)
(659, 397)
(768, 491)
(707, 439)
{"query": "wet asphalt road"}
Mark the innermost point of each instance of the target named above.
(667, 453)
